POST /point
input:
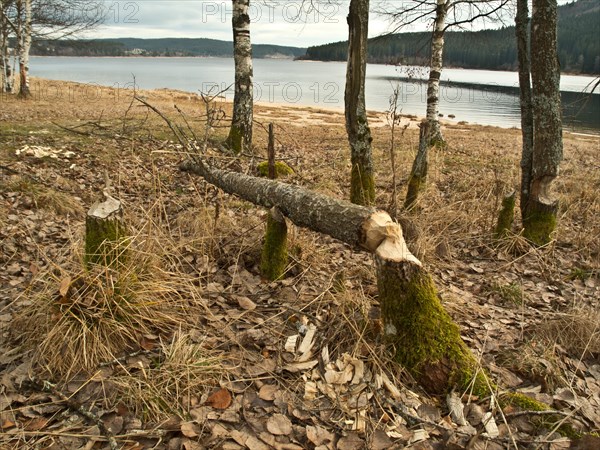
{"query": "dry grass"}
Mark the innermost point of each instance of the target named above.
(80, 317)
(44, 197)
(576, 331)
(172, 385)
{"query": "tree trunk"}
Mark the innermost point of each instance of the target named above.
(4, 58)
(274, 256)
(523, 52)
(362, 184)
(418, 174)
(240, 133)
(435, 72)
(425, 339)
(506, 216)
(24, 48)
(541, 210)
(105, 233)
(430, 133)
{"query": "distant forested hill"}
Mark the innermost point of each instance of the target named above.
(156, 47)
(578, 45)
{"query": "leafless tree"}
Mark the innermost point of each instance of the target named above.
(362, 184)
(240, 133)
(540, 208)
(26, 20)
(443, 15)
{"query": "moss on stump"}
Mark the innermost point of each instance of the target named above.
(274, 257)
(426, 340)
(540, 222)
(362, 186)
(105, 234)
(506, 216)
(281, 169)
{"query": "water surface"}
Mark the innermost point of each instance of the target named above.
(476, 96)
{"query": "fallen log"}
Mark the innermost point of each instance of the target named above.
(424, 338)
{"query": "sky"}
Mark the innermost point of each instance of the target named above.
(284, 22)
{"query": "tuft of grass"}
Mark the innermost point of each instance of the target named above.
(577, 331)
(78, 317)
(578, 273)
(535, 361)
(511, 294)
(173, 383)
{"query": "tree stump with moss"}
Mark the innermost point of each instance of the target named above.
(506, 216)
(540, 220)
(105, 233)
(425, 338)
(274, 257)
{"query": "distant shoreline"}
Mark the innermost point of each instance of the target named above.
(572, 74)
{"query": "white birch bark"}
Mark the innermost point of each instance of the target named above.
(4, 58)
(240, 133)
(431, 133)
(435, 71)
(24, 47)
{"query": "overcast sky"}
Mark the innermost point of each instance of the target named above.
(283, 22)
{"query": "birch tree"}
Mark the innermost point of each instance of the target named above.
(445, 14)
(25, 20)
(540, 209)
(240, 133)
(6, 29)
(362, 184)
(24, 45)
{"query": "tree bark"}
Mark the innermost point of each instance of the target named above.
(541, 210)
(24, 48)
(105, 233)
(431, 133)
(523, 52)
(362, 184)
(240, 133)
(418, 174)
(423, 336)
(274, 256)
(435, 72)
(5, 75)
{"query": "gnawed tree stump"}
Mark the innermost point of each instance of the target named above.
(418, 174)
(506, 216)
(274, 256)
(105, 233)
(425, 339)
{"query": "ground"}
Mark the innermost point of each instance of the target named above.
(185, 346)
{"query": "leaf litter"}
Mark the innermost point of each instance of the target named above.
(297, 363)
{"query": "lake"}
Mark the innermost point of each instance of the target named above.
(475, 96)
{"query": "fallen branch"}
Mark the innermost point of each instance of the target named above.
(46, 386)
